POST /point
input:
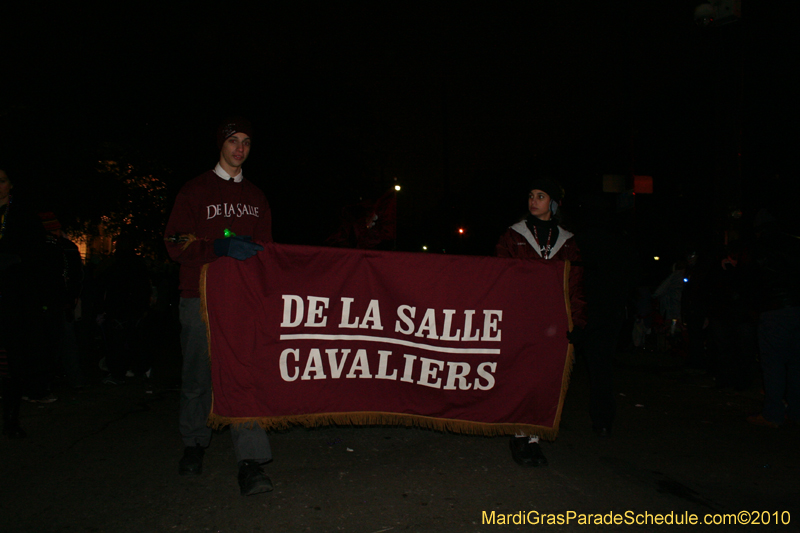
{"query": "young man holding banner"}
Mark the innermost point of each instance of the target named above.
(216, 214)
(540, 238)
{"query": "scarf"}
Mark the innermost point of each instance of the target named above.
(545, 232)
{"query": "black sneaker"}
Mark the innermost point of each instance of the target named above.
(191, 464)
(527, 453)
(252, 479)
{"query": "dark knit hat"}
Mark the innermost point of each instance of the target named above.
(548, 185)
(233, 125)
(49, 221)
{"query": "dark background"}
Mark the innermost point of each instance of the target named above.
(461, 102)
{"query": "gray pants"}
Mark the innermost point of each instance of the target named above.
(249, 443)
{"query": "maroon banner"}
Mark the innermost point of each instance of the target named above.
(315, 336)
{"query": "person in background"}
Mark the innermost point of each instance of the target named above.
(610, 275)
(697, 298)
(732, 329)
(668, 294)
(539, 237)
(28, 273)
(777, 264)
(126, 289)
(72, 277)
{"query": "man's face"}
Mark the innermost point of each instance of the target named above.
(235, 150)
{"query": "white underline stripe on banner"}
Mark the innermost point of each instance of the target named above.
(368, 338)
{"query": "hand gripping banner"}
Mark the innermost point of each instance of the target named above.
(313, 336)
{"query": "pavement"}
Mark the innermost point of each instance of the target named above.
(105, 459)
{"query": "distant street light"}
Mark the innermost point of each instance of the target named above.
(396, 225)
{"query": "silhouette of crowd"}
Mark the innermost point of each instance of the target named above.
(63, 322)
(730, 310)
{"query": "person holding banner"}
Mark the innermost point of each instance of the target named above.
(217, 214)
(539, 237)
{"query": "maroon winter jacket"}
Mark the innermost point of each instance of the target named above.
(205, 207)
(518, 243)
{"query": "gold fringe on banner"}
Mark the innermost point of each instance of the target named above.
(372, 418)
(570, 354)
(204, 307)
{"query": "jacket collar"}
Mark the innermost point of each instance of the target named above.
(218, 170)
(522, 229)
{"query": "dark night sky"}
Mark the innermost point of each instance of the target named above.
(460, 101)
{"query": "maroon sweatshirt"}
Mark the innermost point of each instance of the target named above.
(204, 208)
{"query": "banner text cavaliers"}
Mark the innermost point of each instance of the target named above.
(412, 329)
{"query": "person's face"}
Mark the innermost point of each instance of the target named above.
(539, 204)
(235, 150)
(5, 188)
